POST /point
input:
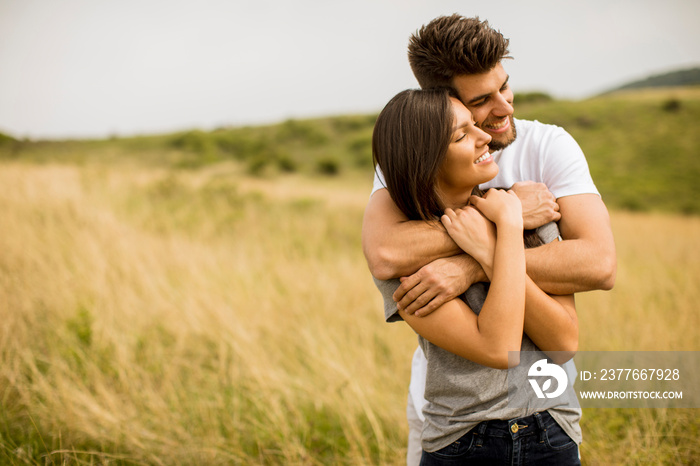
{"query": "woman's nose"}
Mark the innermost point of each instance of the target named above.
(483, 137)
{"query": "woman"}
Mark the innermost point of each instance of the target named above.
(433, 156)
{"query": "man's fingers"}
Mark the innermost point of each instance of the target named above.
(407, 284)
(419, 302)
(435, 303)
(412, 295)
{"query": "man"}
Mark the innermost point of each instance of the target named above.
(465, 54)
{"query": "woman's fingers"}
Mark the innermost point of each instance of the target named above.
(446, 219)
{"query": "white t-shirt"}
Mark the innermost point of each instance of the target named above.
(541, 153)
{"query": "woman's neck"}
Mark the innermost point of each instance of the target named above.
(457, 199)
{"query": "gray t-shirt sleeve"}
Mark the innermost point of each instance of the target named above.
(548, 232)
(387, 289)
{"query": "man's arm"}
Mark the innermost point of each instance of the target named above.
(586, 259)
(397, 247)
(446, 278)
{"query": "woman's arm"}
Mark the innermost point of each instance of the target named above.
(487, 338)
(551, 323)
(455, 328)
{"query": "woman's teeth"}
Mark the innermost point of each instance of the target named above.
(482, 158)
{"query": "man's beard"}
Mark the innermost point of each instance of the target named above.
(498, 145)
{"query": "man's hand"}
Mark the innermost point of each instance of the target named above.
(437, 283)
(539, 205)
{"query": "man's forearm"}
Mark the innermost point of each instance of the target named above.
(396, 247)
(586, 259)
(571, 266)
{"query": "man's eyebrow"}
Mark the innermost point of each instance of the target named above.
(483, 96)
(506, 81)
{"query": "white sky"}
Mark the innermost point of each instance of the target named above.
(93, 68)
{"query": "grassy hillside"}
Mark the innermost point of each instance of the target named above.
(642, 146)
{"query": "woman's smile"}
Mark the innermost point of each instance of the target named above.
(484, 158)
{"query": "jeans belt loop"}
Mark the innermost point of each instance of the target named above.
(540, 424)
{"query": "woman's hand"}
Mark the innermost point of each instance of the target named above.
(501, 207)
(472, 232)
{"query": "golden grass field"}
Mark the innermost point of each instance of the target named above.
(161, 317)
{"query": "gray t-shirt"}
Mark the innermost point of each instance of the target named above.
(461, 393)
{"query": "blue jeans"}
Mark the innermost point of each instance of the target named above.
(536, 440)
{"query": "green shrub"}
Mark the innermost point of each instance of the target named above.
(286, 163)
(671, 105)
(239, 145)
(328, 166)
(301, 132)
(532, 97)
(349, 123)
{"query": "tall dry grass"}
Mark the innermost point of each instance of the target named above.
(653, 307)
(169, 317)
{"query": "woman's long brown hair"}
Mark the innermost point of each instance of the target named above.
(409, 143)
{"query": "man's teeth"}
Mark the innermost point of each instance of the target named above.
(482, 158)
(499, 125)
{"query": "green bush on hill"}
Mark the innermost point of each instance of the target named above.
(532, 97)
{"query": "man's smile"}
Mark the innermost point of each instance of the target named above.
(497, 127)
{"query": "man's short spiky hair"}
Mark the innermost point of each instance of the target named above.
(450, 46)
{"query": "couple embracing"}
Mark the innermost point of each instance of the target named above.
(448, 251)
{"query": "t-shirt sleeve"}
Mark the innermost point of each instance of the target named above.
(565, 167)
(387, 288)
(379, 182)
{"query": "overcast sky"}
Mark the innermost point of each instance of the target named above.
(89, 68)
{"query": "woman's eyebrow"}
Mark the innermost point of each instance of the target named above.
(461, 124)
(464, 123)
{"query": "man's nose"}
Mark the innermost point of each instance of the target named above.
(503, 106)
